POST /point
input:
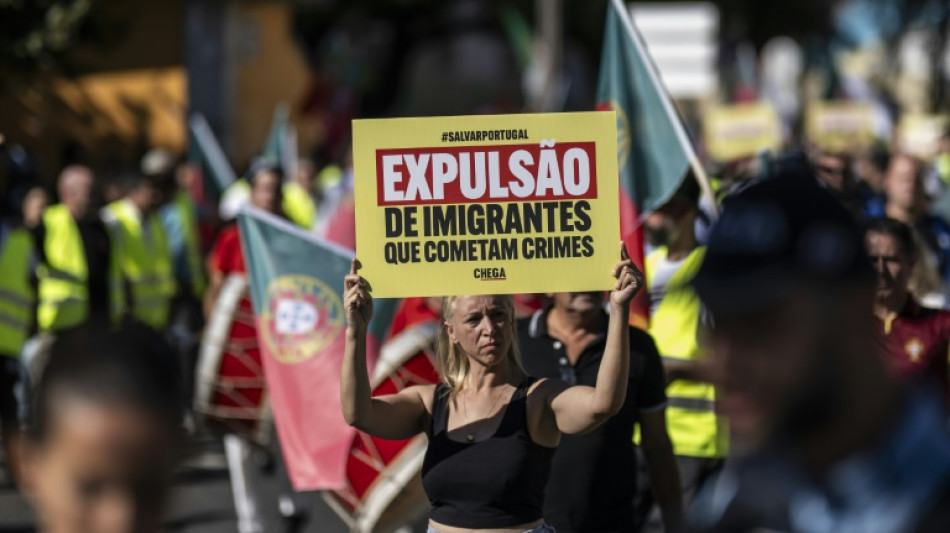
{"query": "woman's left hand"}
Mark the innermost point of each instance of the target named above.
(629, 279)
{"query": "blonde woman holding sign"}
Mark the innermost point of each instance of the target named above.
(492, 429)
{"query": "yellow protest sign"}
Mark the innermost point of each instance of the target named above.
(919, 135)
(735, 131)
(487, 204)
(840, 126)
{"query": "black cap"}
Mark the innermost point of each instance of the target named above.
(774, 234)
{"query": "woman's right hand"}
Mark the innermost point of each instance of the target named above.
(357, 300)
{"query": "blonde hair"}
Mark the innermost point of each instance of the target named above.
(453, 362)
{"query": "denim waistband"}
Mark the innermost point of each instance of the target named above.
(540, 528)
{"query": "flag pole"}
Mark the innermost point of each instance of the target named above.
(701, 177)
(223, 173)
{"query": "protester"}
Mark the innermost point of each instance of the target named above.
(142, 248)
(179, 221)
(870, 169)
(826, 440)
(34, 203)
(940, 204)
(227, 259)
(293, 204)
(915, 339)
(105, 437)
(906, 202)
(594, 475)
(492, 429)
(226, 256)
(68, 269)
(179, 218)
(698, 433)
(834, 172)
(17, 318)
(77, 264)
(299, 202)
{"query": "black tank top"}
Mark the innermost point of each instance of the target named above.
(496, 483)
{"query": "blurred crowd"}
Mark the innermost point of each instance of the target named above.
(109, 282)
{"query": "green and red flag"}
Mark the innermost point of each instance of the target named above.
(653, 150)
(296, 283)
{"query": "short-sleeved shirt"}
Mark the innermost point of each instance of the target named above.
(917, 343)
(593, 476)
(227, 257)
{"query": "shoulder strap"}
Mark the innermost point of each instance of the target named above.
(440, 414)
(522, 391)
(516, 415)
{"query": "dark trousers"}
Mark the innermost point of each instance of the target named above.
(184, 327)
(10, 375)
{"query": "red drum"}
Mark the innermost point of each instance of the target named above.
(384, 485)
(231, 394)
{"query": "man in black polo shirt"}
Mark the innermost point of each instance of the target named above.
(593, 476)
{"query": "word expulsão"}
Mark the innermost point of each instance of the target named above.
(518, 172)
(488, 219)
(498, 249)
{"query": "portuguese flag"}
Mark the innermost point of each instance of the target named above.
(653, 149)
(296, 283)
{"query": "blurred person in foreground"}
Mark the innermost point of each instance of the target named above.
(915, 339)
(594, 475)
(906, 201)
(142, 246)
(824, 438)
(105, 437)
(699, 434)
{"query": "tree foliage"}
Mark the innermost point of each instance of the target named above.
(37, 33)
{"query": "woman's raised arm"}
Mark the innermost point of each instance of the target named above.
(395, 416)
(579, 409)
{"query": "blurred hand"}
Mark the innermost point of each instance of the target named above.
(357, 300)
(629, 280)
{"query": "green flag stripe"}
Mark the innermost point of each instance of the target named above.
(274, 247)
(651, 155)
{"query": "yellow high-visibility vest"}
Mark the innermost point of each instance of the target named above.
(145, 262)
(298, 205)
(16, 294)
(694, 427)
(185, 209)
(63, 291)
